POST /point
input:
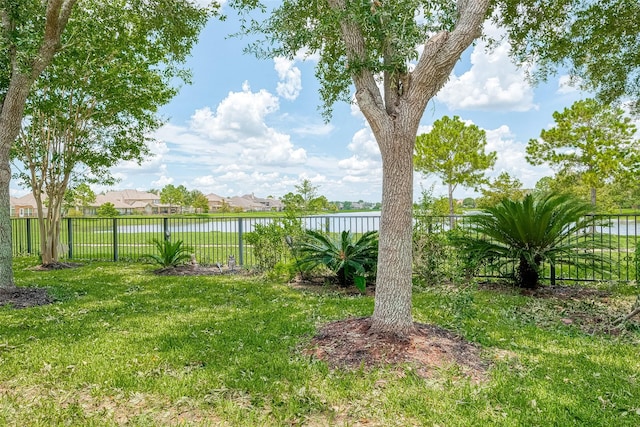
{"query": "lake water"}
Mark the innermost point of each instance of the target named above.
(357, 222)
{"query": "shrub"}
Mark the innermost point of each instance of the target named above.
(107, 210)
(170, 254)
(269, 241)
(431, 252)
(533, 230)
(352, 261)
(435, 259)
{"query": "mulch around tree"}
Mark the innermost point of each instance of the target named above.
(18, 297)
(429, 349)
(56, 266)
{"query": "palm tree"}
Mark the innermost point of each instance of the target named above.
(533, 230)
(350, 260)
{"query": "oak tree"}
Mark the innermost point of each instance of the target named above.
(173, 196)
(29, 38)
(370, 46)
(598, 41)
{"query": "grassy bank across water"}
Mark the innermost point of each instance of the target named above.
(121, 345)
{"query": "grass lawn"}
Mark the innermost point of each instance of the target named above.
(122, 346)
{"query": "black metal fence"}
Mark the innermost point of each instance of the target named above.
(213, 239)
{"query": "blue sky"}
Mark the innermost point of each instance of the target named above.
(247, 125)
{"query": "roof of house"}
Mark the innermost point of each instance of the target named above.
(268, 201)
(241, 202)
(214, 197)
(126, 199)
(26, 200)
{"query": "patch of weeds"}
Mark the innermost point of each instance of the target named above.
(593, 316)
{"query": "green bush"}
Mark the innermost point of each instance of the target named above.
(435, 258)
(533, 230)
(353, 261)
(432, 253)
(170, 254)
(269, 241)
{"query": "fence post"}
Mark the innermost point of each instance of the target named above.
(240, 252)
(29, 236)
(70, 237)
(165, 228)
(115, 239)
(553, 275)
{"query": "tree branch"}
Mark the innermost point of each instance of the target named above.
(367, 92)
(443, 50)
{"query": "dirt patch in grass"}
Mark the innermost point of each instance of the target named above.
(592, 311)
(323, 284)
(199, 270)
(18, 297)
(556, 291)
(348, 344)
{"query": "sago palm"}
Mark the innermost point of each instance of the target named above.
(350, 260)
(170, 254)
(528, 232)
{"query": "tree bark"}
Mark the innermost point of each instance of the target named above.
(392, 310)
(21, 78)
(10, 122)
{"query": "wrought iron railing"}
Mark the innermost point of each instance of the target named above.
(213, 239)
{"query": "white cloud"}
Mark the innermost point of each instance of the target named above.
(511, 157)
(364, 144)
(290, 83)
(493, 82)
(567, 85)
(162, 181)
(304, 55)
(150, 164)
(239, 131)
(314, 129)
(365, 165)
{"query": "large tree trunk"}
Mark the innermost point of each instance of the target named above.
(394, 115)
(10, 122)
(392, 311)
(22, 76)
(6, 258)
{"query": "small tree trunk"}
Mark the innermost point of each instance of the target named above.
(392, 311)
(528, 276)
(451, 208)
